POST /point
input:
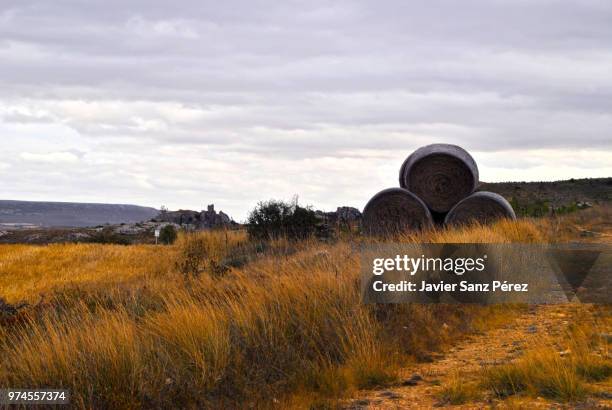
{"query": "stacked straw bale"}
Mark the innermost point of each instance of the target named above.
(437, 185)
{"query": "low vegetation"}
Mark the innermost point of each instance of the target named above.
(562, 375)
(275, 219)
(221, 320)
(459, 391)
(537, 199)
(167, 235)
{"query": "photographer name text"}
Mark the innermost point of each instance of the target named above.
(456, 266)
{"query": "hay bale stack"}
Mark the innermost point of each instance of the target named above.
(395, 210)
(437, 185)
(482, 207)
(440, 174)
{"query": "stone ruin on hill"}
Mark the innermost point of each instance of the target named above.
(207, 219)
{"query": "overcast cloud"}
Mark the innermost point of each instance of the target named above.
(194, 102)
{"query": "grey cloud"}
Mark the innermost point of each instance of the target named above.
(255, 86)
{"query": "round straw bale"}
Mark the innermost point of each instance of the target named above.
(440, 174)
(483, 207)
(395, 210)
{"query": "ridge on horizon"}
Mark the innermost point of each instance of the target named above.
(81, 214)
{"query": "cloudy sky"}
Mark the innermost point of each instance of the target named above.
(193, 102)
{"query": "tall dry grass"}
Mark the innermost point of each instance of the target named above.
(27, 271)
(128, 327)
(563, 372)
(504, 231)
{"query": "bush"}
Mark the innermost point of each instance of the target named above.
(167, 235)
(108, 236)
(536, 208)
(193, 254)
(274, 219)
(213, 252)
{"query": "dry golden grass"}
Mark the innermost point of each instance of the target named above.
(200, 341)
(28, 271)
(459, 391)
(559, 372)
(540, 372)
(128, 327)
(504, 231)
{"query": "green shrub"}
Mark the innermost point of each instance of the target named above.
(168, 235)
(535, 208)
(108, 236)
(274, 219)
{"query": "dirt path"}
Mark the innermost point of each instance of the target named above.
(421, 385)
(467, 359)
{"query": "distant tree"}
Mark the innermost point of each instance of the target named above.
(273, 219)
(302, 223)
(168, 235)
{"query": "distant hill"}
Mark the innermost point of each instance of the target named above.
(70, 214)
(543, 198)
(556, 193)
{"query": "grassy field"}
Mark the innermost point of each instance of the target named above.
(216, 321)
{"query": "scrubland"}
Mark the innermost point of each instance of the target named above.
(220, 322)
